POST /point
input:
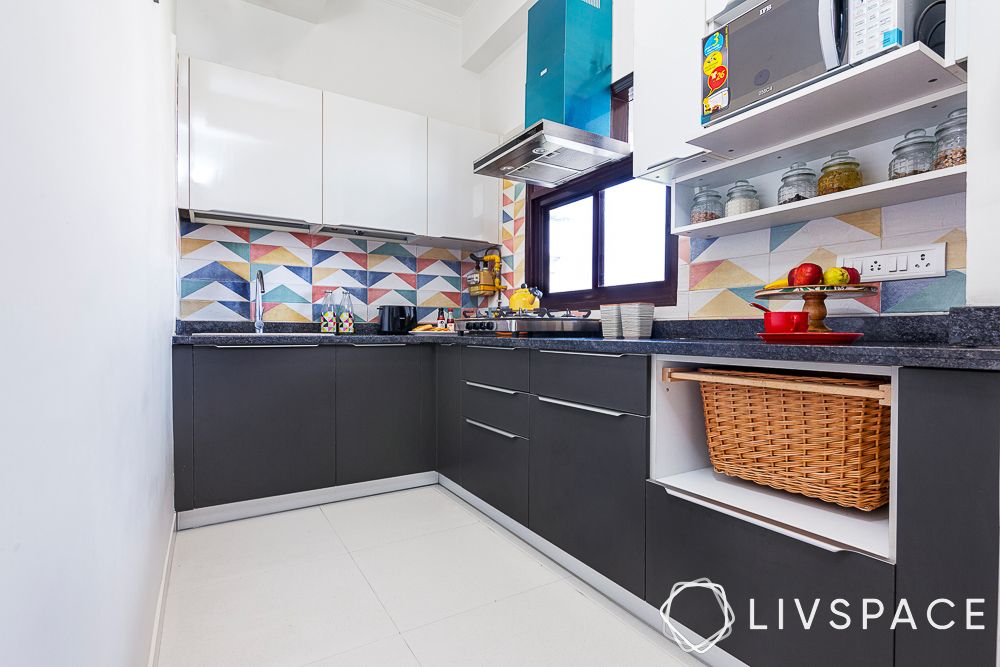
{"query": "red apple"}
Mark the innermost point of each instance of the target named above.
(854, 273)
(806, 274)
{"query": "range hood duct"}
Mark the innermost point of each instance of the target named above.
(567, 98)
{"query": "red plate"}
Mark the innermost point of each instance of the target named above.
(812, 338)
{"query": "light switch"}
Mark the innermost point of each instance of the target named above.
(903, 261)
(891, 264)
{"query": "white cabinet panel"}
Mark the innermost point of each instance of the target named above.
(666, 108)
(374, 166)
(460, 204)
(255, 144)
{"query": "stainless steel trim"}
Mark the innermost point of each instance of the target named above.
(367, 232)
(584, 354)
(211, 215)
(578, 406)
(244, 347)
(509, 392)
(491, 347)
(378, 344)
(509, 436)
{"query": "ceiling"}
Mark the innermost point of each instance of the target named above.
(315, 10)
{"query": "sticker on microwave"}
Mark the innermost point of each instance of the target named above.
(712, 61)
(714, 42)
(718, 77)
(717, 101)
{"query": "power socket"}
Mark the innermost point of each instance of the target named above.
(899, 263)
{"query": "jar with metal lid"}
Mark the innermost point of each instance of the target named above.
(741, 198)
(951, 138)
(707, 206)
(841, 172)
(913, 155)
(798, 183)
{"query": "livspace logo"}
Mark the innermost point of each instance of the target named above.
(939, 614)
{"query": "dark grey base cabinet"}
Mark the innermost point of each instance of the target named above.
(588, 472)
(263, 423)
(495, 468)
(685, 542)
(449, 411)
(385, 411)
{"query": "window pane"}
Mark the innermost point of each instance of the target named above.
(571, 246)
(635, 233)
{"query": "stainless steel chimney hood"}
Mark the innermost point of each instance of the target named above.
(550, 154)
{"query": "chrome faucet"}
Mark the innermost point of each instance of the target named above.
(258, 323)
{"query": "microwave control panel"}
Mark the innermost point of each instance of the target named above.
(875, 26)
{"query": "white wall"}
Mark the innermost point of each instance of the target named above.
(86, 176)
(370, 49)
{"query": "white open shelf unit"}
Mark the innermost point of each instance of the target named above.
(890, 95)
(679, 462)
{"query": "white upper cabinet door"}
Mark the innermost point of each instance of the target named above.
(461, 204)
(255, 144)
(374, 166)
(666, 107)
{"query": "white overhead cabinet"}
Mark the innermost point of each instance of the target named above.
(374, 166)
(460, 204)
(255, 145)
(666, 108)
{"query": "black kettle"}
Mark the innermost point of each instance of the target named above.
(396, 319)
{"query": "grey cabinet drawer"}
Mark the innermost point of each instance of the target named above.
(613, 381)
(495, 468)
(587, 478)
(685, 542)
(504, 409)
(505, 367)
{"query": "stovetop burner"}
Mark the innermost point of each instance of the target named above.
(508, 322)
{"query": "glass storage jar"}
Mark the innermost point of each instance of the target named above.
(707, 206)
(913, 155)
(951, 138)
(741, 198)
(841, 172)
(798, 183)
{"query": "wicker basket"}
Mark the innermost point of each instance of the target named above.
(826, 438)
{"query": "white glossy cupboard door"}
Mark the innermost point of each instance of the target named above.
(460, 204)
(666, 107)
(255, 144)
(374, 166)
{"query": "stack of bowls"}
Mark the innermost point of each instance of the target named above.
(637, 320)
(611, 321)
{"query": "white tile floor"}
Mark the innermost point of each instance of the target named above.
(409, 578)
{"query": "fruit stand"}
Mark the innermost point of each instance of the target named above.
(815, 297)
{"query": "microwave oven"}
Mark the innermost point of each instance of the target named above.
(760, 50)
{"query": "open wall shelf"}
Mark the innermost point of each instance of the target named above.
(889, 193)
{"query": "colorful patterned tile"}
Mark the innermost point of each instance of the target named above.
(438, 267)
(727, 247)
(268, 254)
(192, 230)
(392, 263)
(225, 272)
(287, 312)
(276, 274)
(388, 248)
(722, 304)
(215, 311)
(283, 239)
(436, 299)
(862, 226)
(924, 295)
(380, 297)
(209, 290)
(439, 283)
(359, 297)
(739, 272)
(955, 238)
(391, 281)
(450, 254)
(339, 278)
(288, 294)
(923, 216)
(338, 259)
(216, 251)
(337, 244)
(826, 256)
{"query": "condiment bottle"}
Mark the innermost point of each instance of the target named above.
(451, 319)
(951, 138)
(841, 172)
(328, 316)
(441, 321)
(798, 183)
(707, 206)
(913, 155)
(741, 198)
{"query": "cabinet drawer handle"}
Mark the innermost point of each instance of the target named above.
(491, 347)
(584, 354)
(509, 436)
(257, 347)
(378, 344)
(577, 406)
(509, 392)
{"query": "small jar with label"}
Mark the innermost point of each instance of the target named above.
(913, 155)
(841, 172)
(707, 206)
(798, 183)
(741, 198)
(951, 138)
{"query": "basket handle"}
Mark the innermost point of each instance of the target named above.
(883, 393)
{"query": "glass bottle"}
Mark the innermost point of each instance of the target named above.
(841, 172)
(741, 198)
(328, 314)
(798, 183)
(913, 155)
(707, 205)
(345, 319)
(951, 138)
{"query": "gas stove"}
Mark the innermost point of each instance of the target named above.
(541, 322)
